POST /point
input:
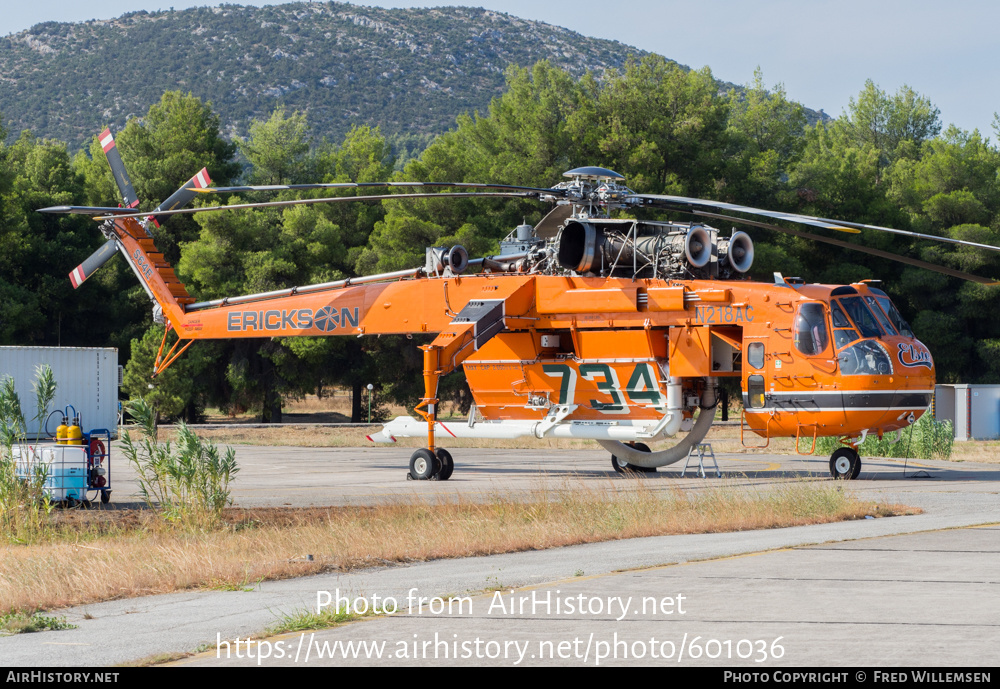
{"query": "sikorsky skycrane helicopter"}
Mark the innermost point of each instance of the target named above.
(585, 326)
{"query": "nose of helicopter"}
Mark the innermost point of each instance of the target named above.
(911, 383)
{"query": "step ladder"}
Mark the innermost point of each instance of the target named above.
(701, 450)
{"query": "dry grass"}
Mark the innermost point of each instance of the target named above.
(140, 554)
(333, 407)
(985, 451)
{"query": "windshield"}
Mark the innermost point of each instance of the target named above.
(882, 318)
(890, 309)
(862, 316)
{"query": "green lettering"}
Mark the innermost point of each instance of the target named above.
(641, 387)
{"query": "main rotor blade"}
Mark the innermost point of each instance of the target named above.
(335, 199)
(918, 235)
(129, 199)
(367, 185)
(87, 210)
(93, 262)
(856, 247)
(682, 203)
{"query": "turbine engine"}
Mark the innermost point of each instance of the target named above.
(613, 248)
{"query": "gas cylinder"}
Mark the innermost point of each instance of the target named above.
(74, 436)
(62, 432)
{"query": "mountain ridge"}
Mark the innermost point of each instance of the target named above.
(410, 71)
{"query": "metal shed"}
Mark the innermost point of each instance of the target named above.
(86, 378)
(974, 410)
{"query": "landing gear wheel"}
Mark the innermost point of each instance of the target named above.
(447, 464)
(423, 464)
(621, 466)
(845, 463)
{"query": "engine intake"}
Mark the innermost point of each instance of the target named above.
(738, 251)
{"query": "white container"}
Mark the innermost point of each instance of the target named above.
(974, 410)
(86, 378)
(65, 468)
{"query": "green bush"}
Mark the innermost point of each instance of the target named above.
(928, 438)
(188, 479)
(23, 502)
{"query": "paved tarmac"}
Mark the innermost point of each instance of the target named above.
(918, 590)
(914, 600)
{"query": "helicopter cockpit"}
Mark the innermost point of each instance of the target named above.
(863, 323)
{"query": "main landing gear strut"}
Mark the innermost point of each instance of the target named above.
(845, 463)
(430, 463)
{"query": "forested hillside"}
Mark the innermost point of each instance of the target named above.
(408, 71)
(888, 160)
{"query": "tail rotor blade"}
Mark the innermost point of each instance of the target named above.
(95, 261)
(182, 196)
(129, 199)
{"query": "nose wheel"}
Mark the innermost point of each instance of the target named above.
(845, 463)
(431, 466)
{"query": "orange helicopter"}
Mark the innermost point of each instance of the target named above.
(586, 326)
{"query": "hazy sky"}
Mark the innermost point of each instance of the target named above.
(822, 51)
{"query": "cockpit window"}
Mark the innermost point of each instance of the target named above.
(901, 325)
(882, 318)
(862, 317)
(842, 338)
(839, 319)
(811, 334)
(865, 358)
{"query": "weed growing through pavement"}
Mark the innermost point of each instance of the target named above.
(306, 620)
(188, 479)
(25, 623)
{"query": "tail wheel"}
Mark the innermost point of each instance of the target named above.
(845, 464)
(447, 464)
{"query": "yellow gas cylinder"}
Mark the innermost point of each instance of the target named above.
(74, 436)
(62, 432)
